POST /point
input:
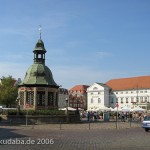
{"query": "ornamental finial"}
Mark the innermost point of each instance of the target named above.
(40, 28)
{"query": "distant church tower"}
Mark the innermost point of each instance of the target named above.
(38, 90)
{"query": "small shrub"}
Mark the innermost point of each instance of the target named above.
(31, 112)
(12, 112)
(51, 112)
(22, 112)
(36, 112)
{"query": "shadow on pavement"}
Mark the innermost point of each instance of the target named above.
(8, 135)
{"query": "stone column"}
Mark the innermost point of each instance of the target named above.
(46, 97)
(35, 98)
(25, 98)
(55, 99)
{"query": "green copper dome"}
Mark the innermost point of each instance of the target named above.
(39, 46)
(39, 74)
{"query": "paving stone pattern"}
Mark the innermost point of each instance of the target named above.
(97, 136)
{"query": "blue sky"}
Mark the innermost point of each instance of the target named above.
(87, 41)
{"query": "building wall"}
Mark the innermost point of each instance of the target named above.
(78, 97)
(97, 96)
(130, 98)
(62, 96)
(37, 97)
(78, 100)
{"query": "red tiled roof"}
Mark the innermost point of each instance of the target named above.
(79, 87)
(140, 82)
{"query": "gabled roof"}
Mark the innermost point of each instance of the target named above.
(141, 82)
(63, 91)
(103, 85)
(79, 88)
(95, 84)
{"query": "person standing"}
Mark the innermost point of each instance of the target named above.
(95, 116)
(88, 116)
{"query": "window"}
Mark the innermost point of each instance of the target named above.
(137, 99)
(126, 100)
(132, 99)
(141, 99)
(41, 98)
(21, 98)
(30, 97)
(91, 100)
(50, 99)
(116, 99)
(146, 99)
(91, 93)
(126, 92)
(121, 100)
(99, 100)
(145, 91)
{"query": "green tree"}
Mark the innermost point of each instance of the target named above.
(8, 92)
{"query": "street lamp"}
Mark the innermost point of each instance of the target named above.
(77, 100)
(67, 110)
(67, 103)
(147, 102)
(117, 105)
(17, 101)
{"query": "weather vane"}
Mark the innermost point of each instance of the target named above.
(40, 28)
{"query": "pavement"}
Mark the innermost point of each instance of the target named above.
(81, 136)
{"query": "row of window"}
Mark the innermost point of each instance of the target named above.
(75, 102)
(127, 92)
(96, 93)
(132, 100)
(40, 98)
(124, 100)
(98, 100)
(75, 105)
(77, 92)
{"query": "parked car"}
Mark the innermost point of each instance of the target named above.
(146, 123)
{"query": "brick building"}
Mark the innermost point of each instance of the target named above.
(78, 96)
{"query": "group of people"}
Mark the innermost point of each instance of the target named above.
(89, 115)
(123, 116)
(134, 116)
(94, 115)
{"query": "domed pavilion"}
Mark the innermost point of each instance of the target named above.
(38, 90)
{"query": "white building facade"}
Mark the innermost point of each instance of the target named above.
(130, 98)
(127, 92)
(97, 96)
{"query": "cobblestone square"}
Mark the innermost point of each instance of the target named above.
(97, 136)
